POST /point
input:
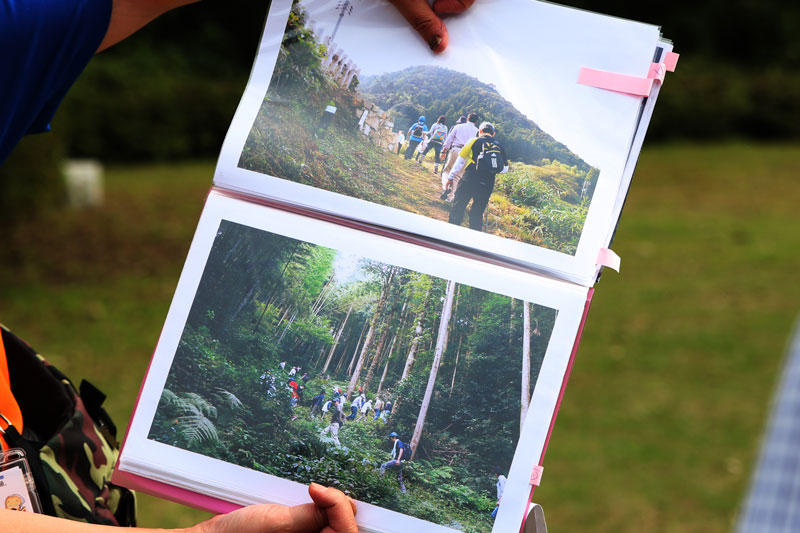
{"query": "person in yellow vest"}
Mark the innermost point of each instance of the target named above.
(482, 159)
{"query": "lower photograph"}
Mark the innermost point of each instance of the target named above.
(406, 377)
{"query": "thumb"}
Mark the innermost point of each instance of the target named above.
(419, 14)
(338, 508)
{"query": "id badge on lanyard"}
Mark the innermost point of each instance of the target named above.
(17, 488)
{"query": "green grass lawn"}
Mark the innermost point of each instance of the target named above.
(663, 415)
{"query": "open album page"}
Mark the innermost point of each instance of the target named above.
(348, 112)
(421, 383)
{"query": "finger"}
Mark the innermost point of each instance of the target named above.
(339, 509)
(419, 14)
(451, 7)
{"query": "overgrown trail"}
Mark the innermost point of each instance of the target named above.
(288, 144)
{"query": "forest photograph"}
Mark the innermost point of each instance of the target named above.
(404, 390)
(394, 137)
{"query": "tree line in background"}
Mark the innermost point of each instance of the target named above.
(433, 91)
(169, 92)
(735, 77)
(458, 363)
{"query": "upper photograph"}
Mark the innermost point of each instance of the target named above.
(489, 139)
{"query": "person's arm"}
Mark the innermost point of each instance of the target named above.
(461, 162)
(331, 511)
(448, 142)
(129, 16)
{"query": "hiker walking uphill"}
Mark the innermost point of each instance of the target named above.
(459, 136)
(482, 159)
(501, 486)
(337, 420)
(415, 135)
(400, 140)
(318, 401)
(436, 137)
(378, 407)
(400, 452)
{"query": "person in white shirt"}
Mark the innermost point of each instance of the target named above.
(401, 139)
(501, 485)
(326, 407)
(458, 137)
(365, 409)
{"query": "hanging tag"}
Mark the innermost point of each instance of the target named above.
(17, 488)
(536, 475)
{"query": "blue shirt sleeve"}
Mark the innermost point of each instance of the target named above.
(45, 45)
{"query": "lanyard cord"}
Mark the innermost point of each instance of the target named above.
(10, 414)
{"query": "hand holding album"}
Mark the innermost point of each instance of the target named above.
(331, 512)
(358, 312)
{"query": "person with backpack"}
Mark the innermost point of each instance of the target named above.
(400, 452)
(459, 136)
(387, 410)
(436, 138)
(415, 135)
(378, 406)
(482, 159)
(317, 402)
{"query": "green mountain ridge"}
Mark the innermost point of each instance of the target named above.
(433, 91)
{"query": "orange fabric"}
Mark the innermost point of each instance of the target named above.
(9, 407)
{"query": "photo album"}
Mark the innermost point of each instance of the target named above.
(389, 279)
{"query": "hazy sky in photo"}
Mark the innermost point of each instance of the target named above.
(532, 53)
(347, 268)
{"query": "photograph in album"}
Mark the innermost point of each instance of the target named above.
(309, 363)
(362, 112)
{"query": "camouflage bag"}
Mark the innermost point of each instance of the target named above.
(69, 440)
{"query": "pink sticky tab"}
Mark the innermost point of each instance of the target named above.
(671, 61)
(536, 475)
(612, 81)
(608, 258)
(657, 71)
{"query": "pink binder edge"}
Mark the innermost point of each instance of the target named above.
(157, 488)
(589, 296)
(163, 490)
(175, 494)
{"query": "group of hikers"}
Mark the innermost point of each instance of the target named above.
(470, 160)
(361, 408)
